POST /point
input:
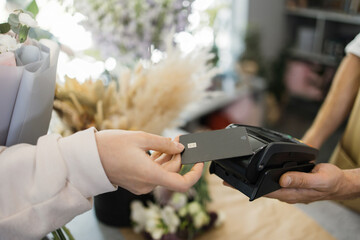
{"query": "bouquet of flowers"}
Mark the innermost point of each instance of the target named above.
(27, 84)
(127, 29)
(27, 80)
(174, 215)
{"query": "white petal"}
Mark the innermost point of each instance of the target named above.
(26, 19)
(157, 233)
(8, 43)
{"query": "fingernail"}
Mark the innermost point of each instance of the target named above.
(179, 145)
(287, 181)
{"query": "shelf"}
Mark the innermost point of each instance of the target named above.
(315, 57)
(325, 15)
(215, 101)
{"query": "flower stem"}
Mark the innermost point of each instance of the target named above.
(55, 235)
(68, 233)
(61, 235)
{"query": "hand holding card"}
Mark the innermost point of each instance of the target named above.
(251, 159)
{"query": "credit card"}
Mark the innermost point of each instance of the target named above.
(215, 145)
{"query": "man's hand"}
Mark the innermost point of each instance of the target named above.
(325, 182)
(127, 164)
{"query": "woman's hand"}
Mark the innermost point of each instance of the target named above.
(127, 164)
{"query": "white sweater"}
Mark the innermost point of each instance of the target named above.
(354, 46)
(43, 187)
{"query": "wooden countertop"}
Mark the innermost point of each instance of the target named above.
(261, 219)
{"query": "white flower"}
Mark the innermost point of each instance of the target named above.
(170, 218)
(147, 218)
(153, 221)
(8, 43)
(3, 49)
(220, 219)
(194, 208)
(201, 219)
(138, 215)
(183, 211)
(26, 19)
(153, 211)
(153, 226)
(178, 200)
(157, 233)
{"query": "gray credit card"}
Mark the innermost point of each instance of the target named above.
(215, 145)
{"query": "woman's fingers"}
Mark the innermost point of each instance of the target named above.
(155, 155)
(177, 182)
(174, 164)
(160, 144)
(163, 158)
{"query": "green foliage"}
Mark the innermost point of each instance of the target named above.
(4, 27)
(201, 187)
(214, 50)
(14, 22)
(33, 8)
(58, 234)
(23, 33)
(252, 49)
(68, 233)
(61, 234)
(277, 72)
(55, 235)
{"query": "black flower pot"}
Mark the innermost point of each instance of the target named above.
(113, 208)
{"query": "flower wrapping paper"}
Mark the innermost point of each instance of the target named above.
(27, 92)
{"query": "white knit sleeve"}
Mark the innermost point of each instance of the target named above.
(43, 187)
(354, 46)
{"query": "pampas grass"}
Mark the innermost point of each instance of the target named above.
(149, 97)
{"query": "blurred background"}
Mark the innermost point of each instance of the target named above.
(276, 59)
